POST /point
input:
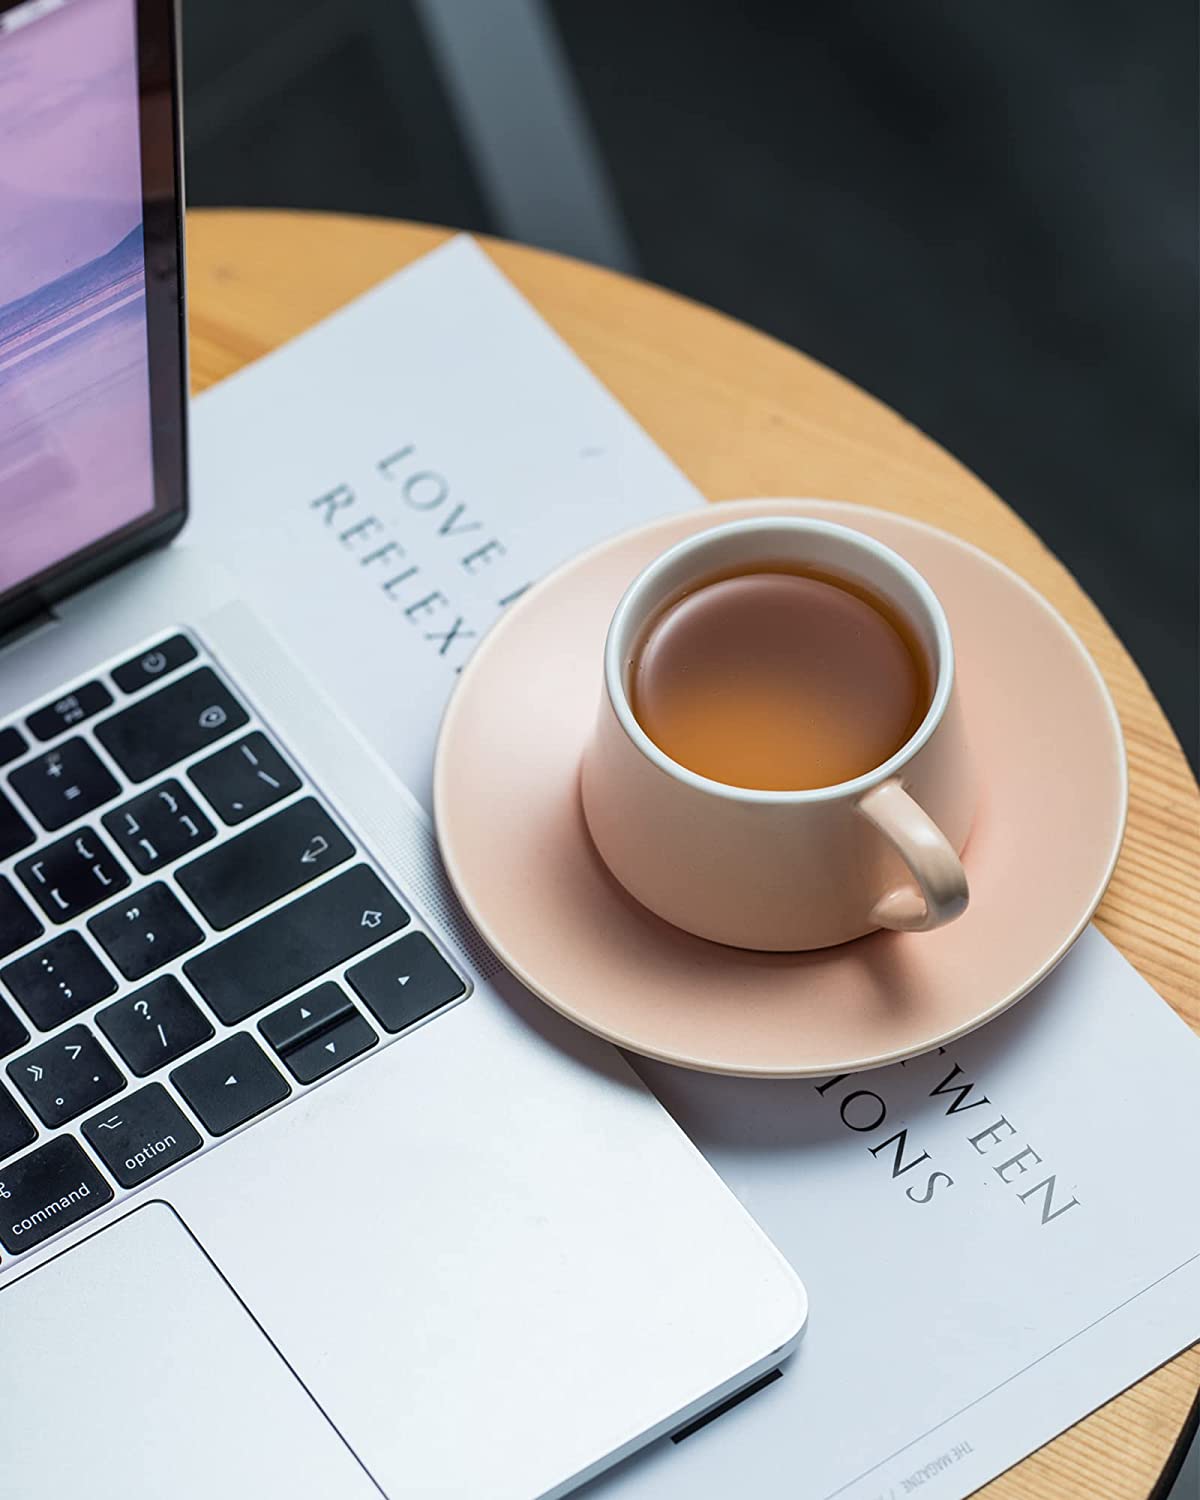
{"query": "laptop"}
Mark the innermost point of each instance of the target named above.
(299, 1195)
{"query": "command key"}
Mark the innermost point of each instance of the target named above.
(48, 1190)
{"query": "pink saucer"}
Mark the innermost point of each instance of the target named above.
(1046, 740)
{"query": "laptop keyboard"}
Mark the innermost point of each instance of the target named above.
(189, 937)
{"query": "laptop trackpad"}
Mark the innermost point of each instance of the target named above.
(130, 1371)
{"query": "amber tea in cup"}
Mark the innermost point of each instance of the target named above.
(779, 678)
(779, 760)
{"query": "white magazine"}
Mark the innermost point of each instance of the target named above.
(995, 1239)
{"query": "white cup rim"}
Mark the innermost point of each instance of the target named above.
(614, 675)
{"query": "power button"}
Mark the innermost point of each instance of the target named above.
(153, 665)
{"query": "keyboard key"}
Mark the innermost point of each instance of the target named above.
(12, 1033)
(16, 1128)
(300, 1020)
(405, 981)
(48, 1190)
(269, 860)
(155, 1025)
(153, 665)
(65, 1076)
(56, 718)
(178, 720)
(318, 1032)
(63, 784)
(145, 931)
(58, 980)
(244, 778)
(158, 826)
(143, 1135)
(296, 944)
(321, 1054)
(72, 875)
(18, 925)
(230, 1083)
(12, 744)
(15, 832)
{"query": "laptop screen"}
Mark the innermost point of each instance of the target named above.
(77, 438)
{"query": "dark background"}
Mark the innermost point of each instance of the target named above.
(986, 215)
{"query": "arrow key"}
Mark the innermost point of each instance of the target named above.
(230, 1083)
(406, 981)
(301, 1019)
(330, 1049)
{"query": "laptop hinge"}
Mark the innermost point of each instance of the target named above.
(26, 626)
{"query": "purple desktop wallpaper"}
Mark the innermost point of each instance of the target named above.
(75, 459)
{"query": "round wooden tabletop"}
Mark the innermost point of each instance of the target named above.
(744, 415)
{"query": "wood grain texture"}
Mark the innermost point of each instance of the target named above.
(743, 416)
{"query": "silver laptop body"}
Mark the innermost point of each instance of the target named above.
(300, 1194)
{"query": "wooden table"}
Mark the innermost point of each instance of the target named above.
(743, 415)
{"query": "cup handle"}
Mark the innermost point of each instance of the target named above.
(924, 848)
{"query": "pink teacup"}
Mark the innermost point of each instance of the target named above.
(784, 870)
